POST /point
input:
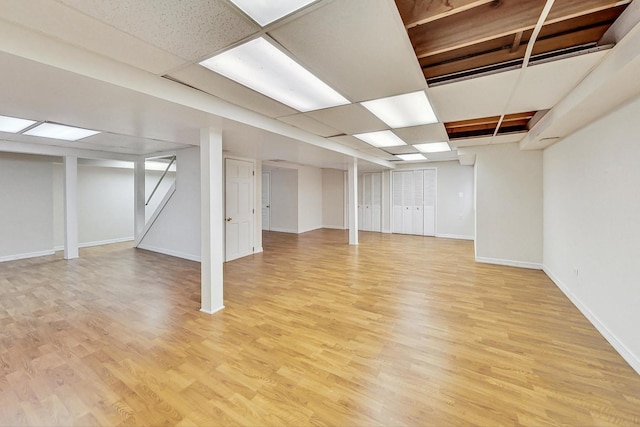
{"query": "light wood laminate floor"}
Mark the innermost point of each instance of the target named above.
(400, 330)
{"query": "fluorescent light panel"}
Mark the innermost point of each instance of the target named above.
(433, 147)
(381, 139)
(265, 12)
(261, 66)
(409, 157)
(13, 124)
(56, 131)
(410, 109)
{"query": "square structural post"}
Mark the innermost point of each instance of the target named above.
(353, 201)
(70, 165)
(212, 222)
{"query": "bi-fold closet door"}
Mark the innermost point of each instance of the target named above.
(414, 202)
(370, 202)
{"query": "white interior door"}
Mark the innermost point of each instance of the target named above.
(239, 211)
(266, 201)
(417, 221)
(397, 205)
(376, 201)
(430, 193)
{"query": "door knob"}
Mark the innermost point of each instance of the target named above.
(268, 206)
(229, 219)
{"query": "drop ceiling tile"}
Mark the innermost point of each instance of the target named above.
(224, 88)
(509, 138)
(381, 154)
(190, 29)
(353, 39)
(420, 134)
(469, 99)
(125, 144)
(304, 122)
(556, 77)
(350, 119)
(486, 140)
(442, 157)
(402, 149)
(87, 32)
(351, 141)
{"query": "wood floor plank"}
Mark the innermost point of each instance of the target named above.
(400, 330)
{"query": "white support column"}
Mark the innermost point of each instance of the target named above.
(139, 198)
(212, 222)
(70, 207)
(353, 200)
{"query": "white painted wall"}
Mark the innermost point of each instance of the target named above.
(26, 206)
(592, 224)
(455, 199)
(284, 200)
(309, 199)
(333, 199)
(105, 202)
(455, 214)
(176, 231)
(105, 205)
(151, 178)
(508, 205)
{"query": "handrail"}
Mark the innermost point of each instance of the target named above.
(173, 159)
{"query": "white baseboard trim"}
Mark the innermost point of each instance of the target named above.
(632, 359)
(213, 311)
(283, 230)
(510, 263)
(455, 236)
(98, 243)
(258, 250)
(335, 227)
(105, 242)
(176, 254)
(308, 230)
(26, 255)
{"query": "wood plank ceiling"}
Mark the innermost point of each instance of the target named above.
(459, 39)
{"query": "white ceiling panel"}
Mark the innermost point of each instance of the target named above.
(224, 88)
(104, 141)
(470, 99)
(380, 153)
(556, 77)
(52, 19)
(305, 122)
(402, 149)
(426, 133)
(190, 29)
(486, 140)
(541, 87)
(351, 142)
(350, 119)
(353, 37)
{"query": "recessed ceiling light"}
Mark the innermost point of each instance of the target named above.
(433, 147)
(263, 67)
(410, 157)
(384, 138)
(265, 12)
(56, 131)
(410, 109)
(14, 125)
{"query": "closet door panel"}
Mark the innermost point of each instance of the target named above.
(430, 194)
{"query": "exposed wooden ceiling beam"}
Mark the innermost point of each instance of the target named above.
(498, 56)
(493, 20)
(516, 41)
(418, 12)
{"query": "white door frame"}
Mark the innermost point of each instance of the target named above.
(268, 173)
